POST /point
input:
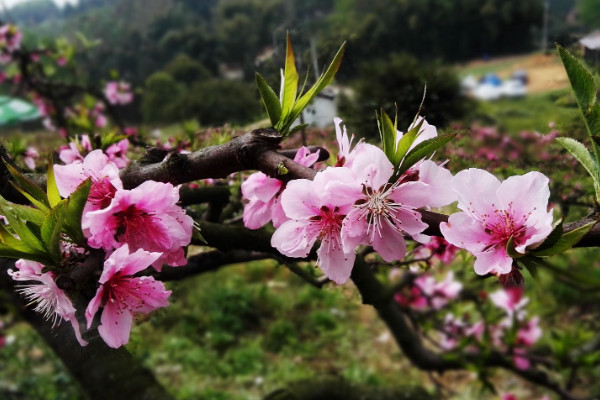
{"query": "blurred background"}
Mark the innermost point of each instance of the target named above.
(491, 74)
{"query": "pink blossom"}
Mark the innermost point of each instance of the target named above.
(122, 295)
(510, 300)
(438, 247)
(117, 153)
(314, 215)
(100, 121)
(146, 217)
(431, 292)
(495, 211)
(344, 142)
(10, 41)
(118, 92)
(31, 155)
(382, 212)
(104, 175)
(51, 301)
(263, 193)
(529, 333)
(61, 61)
(72, 152)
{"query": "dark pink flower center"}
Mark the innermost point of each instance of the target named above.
(503, 227)
(101, 193)
(132, 220)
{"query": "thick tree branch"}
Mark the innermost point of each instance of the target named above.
(207, 262)
(102, 372)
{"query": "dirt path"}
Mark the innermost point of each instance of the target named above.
(545, 72)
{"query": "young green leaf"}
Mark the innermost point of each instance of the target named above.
(21, 229)
(74, 211)
(321, 83)
(53, 195)
(510, 249)
(423, 150)
(9, 252)
(552, 238)
(25, 213)
(406, 142)
(29, 189)
(297, 128)
(51, 229)
(531, 264)
(387, 132)
(290, 81)
(566, 241)
(269, 99)
(581, 80)
(581, 153)
(9, 240)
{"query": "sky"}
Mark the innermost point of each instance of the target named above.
(10, 3)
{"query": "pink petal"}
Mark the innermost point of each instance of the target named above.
(115, 325)
(494, 261)
(294, 239)
(390, 244)
(299, 200)
(476, 190)
(413, 194)
(437, 178)
(336, 264)
(465, 232)
(257, 213)
(93, 306)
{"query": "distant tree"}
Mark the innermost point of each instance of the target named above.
(159, 93)
(589, 12)
(397, 82)
(186, 70)
(219, 101)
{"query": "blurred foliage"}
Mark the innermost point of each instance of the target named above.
(142, 37)
(398, 82)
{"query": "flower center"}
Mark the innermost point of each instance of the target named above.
(378, 209)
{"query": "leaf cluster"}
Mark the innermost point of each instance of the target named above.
(35, 232)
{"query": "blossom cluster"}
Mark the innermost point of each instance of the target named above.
(10, 42)
(514, 332)
(137, 228)
(118, 92)
(362, 201)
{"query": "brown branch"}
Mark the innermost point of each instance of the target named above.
(102, 372)
(207, 262)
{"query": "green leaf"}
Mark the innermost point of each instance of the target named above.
(531, 264)
(405, 142)
(29, 189)
(53, 195)
(387, 132)
(581, 80)
(510, 249)
(74, 211)
(111, 138)
(423, 150)
(8, 252)
(552, 238)
(21, 229)
(289, 85)
(581, 153)
(25, 213)
(566, 241)
(297, 128)
(269, 99)
(7, 239)
(51, 229)
(324, 80)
